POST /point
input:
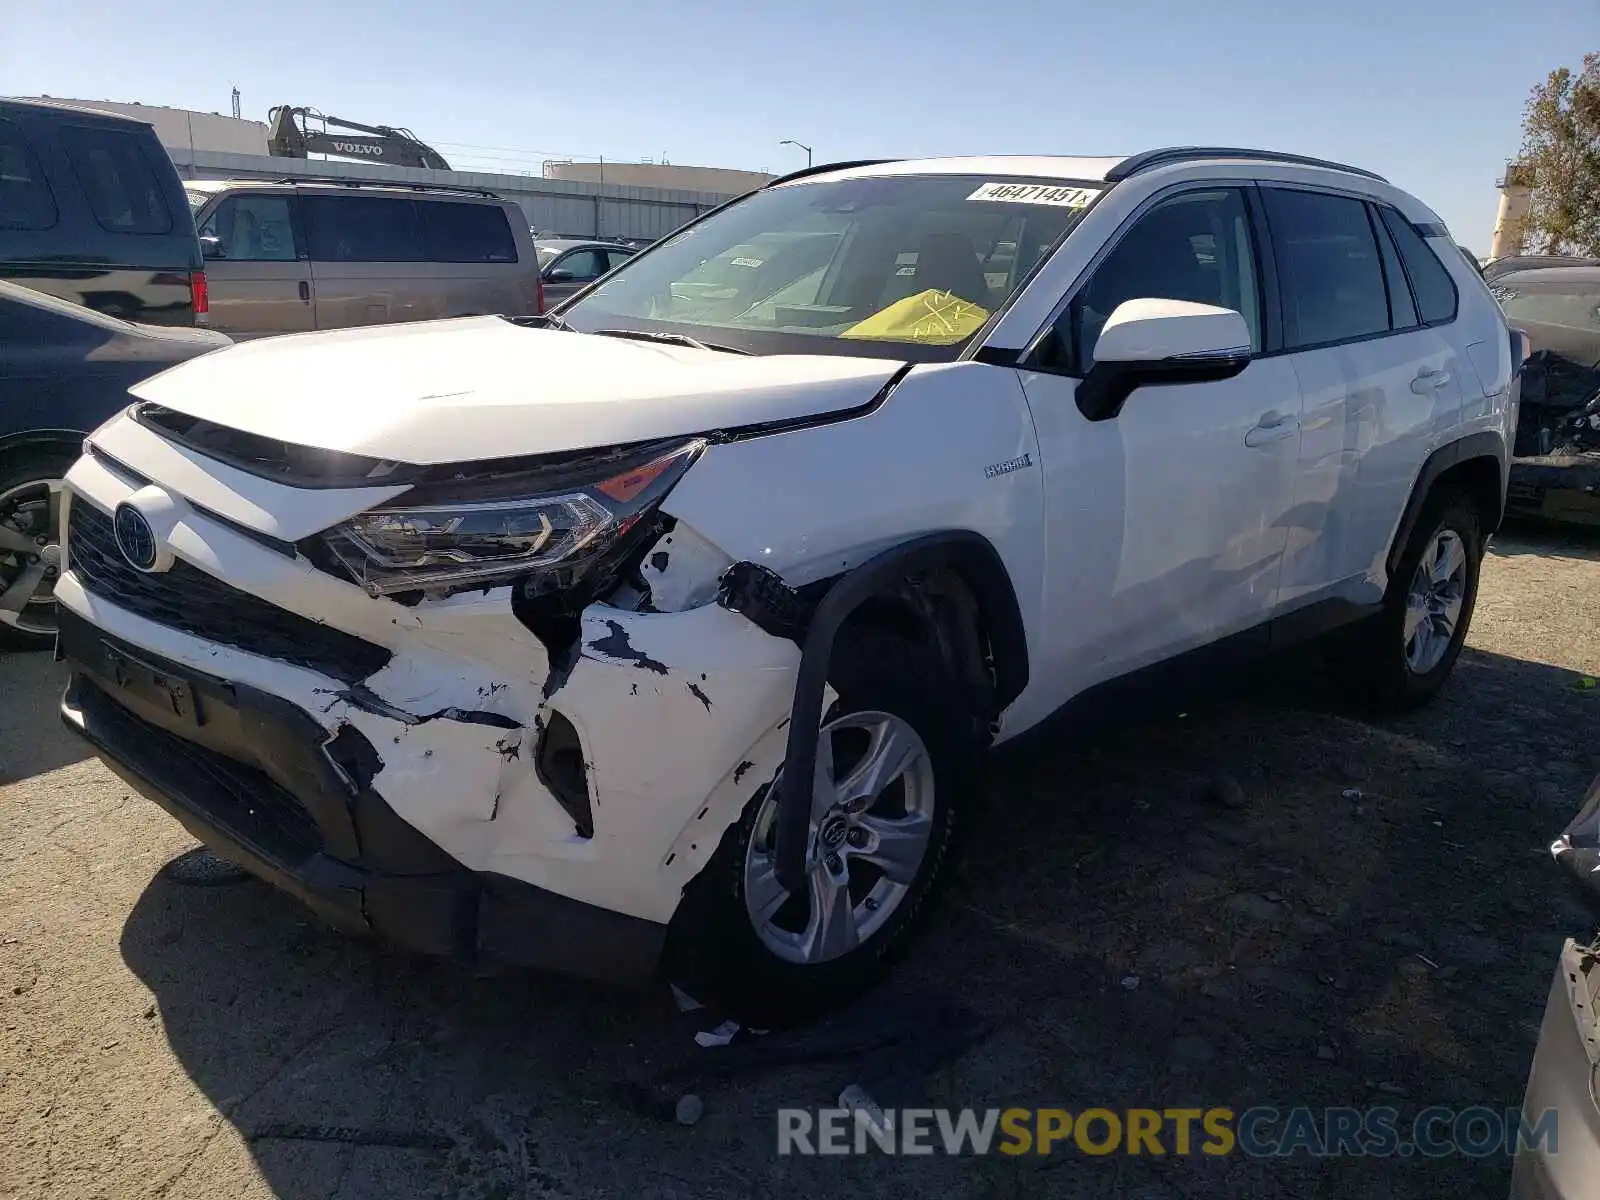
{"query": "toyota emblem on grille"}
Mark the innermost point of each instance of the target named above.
(135, 538)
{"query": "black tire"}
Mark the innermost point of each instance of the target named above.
(714, 950)
(1369, 659)
(45, 463)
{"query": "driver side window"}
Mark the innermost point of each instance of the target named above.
(1194, 246)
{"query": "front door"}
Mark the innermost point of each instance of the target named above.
(256, 269)
(1166, 522)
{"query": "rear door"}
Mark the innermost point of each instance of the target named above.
(366, 253)
(257, 266)
(1381, 386)
(472, 265)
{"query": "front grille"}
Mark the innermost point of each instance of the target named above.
(237, 797)
(187, 598)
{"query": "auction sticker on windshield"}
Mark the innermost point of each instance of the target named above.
(1036, 193)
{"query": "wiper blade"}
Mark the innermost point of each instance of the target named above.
(671, 339)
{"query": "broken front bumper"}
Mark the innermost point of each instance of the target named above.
(222, 757)
(1556, 488)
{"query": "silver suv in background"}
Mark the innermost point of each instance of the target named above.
(290, 257)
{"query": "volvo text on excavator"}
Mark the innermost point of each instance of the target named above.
(289, 135)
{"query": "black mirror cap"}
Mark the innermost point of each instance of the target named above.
(559, 275)
(1107, 386)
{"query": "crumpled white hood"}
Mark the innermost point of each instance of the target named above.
(480, 387)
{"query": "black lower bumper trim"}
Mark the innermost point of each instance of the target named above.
(226, 767)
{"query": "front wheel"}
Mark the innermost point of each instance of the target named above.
(897, 766)
(30, 549)
(1400, 658)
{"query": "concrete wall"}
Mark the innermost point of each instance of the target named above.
(658, 175)
(182, 128)
(553, 206)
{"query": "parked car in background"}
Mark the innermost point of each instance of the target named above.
(92, 210)
(567, 266)
(1521, 262)
(64, 369)
(677, 625)
(293, 256)
(1555, 473)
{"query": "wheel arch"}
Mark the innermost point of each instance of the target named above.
(1477, 464)
(16, 446)
(926, 581)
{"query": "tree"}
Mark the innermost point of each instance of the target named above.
(1561, 152)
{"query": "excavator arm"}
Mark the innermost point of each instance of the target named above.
(289, 135)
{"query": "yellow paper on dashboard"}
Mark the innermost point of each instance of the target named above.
(932, 317)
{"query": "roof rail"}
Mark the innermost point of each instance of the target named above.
(820, 168)
(346, 181)
(1175, 154)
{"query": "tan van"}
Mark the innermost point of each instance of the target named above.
(294, 256)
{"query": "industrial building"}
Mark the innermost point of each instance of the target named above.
(573, 199)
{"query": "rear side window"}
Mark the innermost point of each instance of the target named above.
(25, 198)
(1570, 303)
(466, 233)
(1430, 282)
(1329, 270)
(119, 179)
(1402, 308)
(363, 229)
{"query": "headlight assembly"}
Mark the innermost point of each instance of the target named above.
(546, 540)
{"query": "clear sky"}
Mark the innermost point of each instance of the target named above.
(1426, 92)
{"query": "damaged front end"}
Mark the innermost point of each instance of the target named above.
(487, 713)
(1555, 469)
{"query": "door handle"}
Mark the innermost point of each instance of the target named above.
(1427, 381)
(1272, 427)
(305, 291)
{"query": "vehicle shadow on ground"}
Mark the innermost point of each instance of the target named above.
(1367, 918)
(1546, 539)
(32, 739)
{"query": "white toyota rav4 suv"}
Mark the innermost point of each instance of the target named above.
(675, 626)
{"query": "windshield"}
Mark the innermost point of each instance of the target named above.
(906, 267)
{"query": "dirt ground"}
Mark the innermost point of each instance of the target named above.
(1297, 946)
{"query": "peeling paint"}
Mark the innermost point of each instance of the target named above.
(615, 645)
(659, 560)
(509, 748)
(699, 695)
(738, 772)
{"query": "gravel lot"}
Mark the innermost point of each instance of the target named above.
(1293, 947)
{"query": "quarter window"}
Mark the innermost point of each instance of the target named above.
(1195, 246)
(250, 229)
(118, 179)
(362, 229)
(466, 233)
(1329, 269)
(1435, 290)
(25, 199)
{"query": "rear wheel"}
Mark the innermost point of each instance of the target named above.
(1400, 658)
(30, 548)
(896, 766)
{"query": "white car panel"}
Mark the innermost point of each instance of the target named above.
(481, 387)
(1167, 529)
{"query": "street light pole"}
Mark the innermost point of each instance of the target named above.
(799, 146)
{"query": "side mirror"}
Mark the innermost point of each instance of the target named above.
(559, 275)
(1149, 342)
(211, 248)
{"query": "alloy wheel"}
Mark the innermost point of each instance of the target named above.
(30, 555)
(1434, 601)
(871, 824)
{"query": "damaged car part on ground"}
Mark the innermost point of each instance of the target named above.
(511, 635)
(1564, 1077)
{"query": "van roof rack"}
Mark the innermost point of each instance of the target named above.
(345, 181)
(1174, 154)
